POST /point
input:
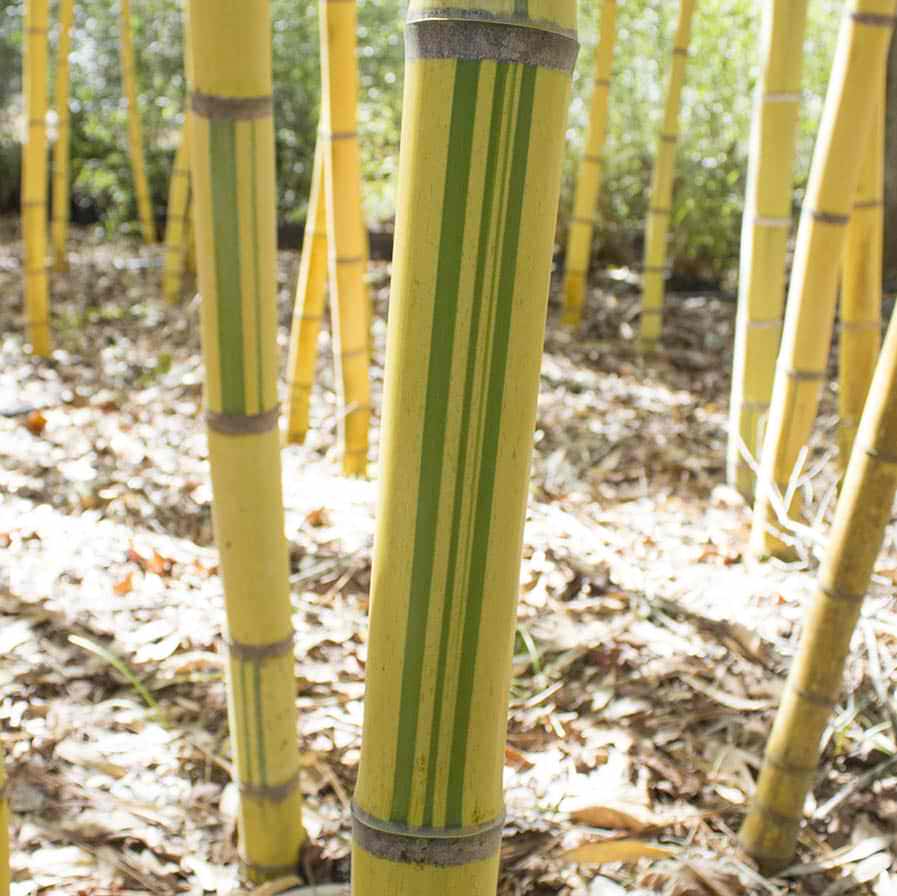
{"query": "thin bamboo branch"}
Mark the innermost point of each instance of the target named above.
(177, 225)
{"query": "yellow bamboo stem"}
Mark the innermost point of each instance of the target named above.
(486, 91)
(661, 197)
(345, 228)
(764, 235)
(588, 181)
(771, 828)
(311, 289)
(177, 228)
(189, 247)
(843, 136)
(34, 177)
(861, 287)
(135, 129)
(61, 160)
(232, 171)
(4, 829)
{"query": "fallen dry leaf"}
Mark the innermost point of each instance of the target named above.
(601, 851)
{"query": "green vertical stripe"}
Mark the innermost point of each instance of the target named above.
(498, 97)
(260, 722)
(521, 8)
(226, 225)
(256, 265)
(448, 277)
(482, 536)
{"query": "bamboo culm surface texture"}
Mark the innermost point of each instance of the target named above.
(61, 198)
(177, 230)
(861, 287)
(588, 180)
(765, 231)
(772, 825)
(135, 128)
(232, 171)
(486, 95)
(661, 198)
(847, 121)
(34, 177)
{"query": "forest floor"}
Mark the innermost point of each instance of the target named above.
(651, 649)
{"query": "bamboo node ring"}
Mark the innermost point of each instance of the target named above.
(829, 217)
(878, 20)
(258, 652)
(787, 821)
(819, 700)
(242, 424)
(669, 138)
(869, 203)
(882, 457)
(275, 793)
(268, 871)
(783, 765)
(840, 596)
(586, 222)
(774, 324)
(807, 376)
(231, 108)
(652, 312)
(659, 211)
(764, 221)
(433, 847)
(594, 160)
(850, 326)
(794, 97)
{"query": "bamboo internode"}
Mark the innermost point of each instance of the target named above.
(661, 197)
(771, 828)
(843, 137)
(135, 129)
(34, 177)
(764, 235)
(308, 310)
(232, 170)
(487, 87)
(177, 228)
(588, 181)
(861, 287)
(63, 134)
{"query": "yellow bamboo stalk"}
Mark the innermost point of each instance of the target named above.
(764, 235)
(661, 198)
(34, 177)
(588, 181)
(189, 247)
(345, 228)
(311, 289)
(861, 287)
(771, 828)
(843, 136)
(4, 829)
(486, 91)
(135, 129)
(232, 170)
(61, 160)
(177, 228)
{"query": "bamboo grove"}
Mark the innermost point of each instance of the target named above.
(487, 88)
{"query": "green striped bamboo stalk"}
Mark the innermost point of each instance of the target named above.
(487, 87)
(772, 825)
(660, 202)
(843, 136)
(345, 228)
(176, 226)
(4, 829)
(861, 287)
(232, 170)
(588, 181)
(764, 236)
(61, 160)
(135, 129)
(311, 290)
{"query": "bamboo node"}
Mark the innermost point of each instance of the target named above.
(882, 457)
(274, 793)
(869, 203)
(483, 16)
(655, 269)
(652, 312)
(602, 82)
(433, 847)
(350, 259)
(783, 97)
(593, 159)
(785, 821)
(680, 51)
(259, 652)
(783, 765)
(850, 326)
(829, 217)
(819, 700)
(877, 20)
(669, 138)
(585, 222)
(254, 870)
(805, 375)
(755, 405)
(765, 221)
(765, 324)
(473, 39)
(231, 108)
(658, 211)
(242, 424)
(839, 596)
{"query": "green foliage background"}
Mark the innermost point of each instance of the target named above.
(715, 120)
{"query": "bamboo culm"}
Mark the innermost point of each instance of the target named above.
(661, 197)
(771, 828)
(765, 232)
(232, 171)
(486, 94)
(4, 829)
(177, 228)
(588, 180)
(135, 128)
(61, 161)
(844, 131)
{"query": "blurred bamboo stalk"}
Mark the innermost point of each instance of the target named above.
(135, 129)
(770, 831)
(308, 310)
(764, 235)
(588, 181)
(843, 137)
(34, 177)
(861, 287)
(345, 228)
(61, 152)
(177, 228)
(232, 171)
(4, 828)
(661, 198)
(486, 95)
